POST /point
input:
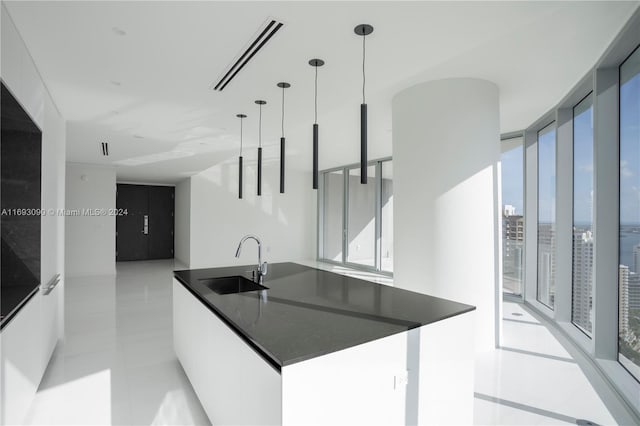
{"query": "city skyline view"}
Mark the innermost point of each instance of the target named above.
(512, 163)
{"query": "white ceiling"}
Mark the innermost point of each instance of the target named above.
(147, 92)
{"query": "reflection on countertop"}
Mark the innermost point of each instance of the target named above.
(307, 312)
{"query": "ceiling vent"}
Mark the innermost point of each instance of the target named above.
(105, 148)
(270, 28)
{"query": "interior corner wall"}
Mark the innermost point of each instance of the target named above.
(182, 234)
(29, 339)
(90, 243)
(285, 223)
(22, 78)
(446, 153)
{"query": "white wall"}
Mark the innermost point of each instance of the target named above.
(285, 223)
(90, 240)
(28, 340)
(446, 153)
(182, 231)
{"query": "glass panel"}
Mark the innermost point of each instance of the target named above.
(547, 215)
(333, 201)
(362, 219)
(582, 277)
(629, 251)
(386, 242)
(512, 216)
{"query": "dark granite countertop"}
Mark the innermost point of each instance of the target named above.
(308, 312)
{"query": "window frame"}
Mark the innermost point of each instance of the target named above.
(601, 351)
(588, 334)
(506, 138)
(552, 126)
(345, 218)
(619, 87)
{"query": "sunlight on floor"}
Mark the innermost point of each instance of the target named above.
(532, 379)
(117, 365)
(90, 396)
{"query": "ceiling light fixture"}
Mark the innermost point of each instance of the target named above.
(283, 85)
(315, 63)
(260, 103)
(363, 30)
(241, 117)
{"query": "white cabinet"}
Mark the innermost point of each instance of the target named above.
(26, 345)
(234, 384)
(421, 376)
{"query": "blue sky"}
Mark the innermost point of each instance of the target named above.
(583, 162)
(630, 150)
(512, 167)
(512, 178)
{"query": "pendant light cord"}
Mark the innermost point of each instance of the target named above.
(260, 128)
(283, 111)
(316, 97)
(240, 136)
(364, 78)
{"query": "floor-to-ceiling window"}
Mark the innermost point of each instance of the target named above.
(629, 251)
(386, 233)
(361, 218)
(356, 222)
(512, 215)
(547, 215)
(333, 206)
(582, 180)
(582, 264)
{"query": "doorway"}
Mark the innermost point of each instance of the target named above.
(145, 229)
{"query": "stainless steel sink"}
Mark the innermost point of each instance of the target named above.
(231, 285)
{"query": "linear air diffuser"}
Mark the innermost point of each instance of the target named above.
(272, 26)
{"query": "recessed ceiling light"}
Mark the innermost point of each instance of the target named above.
(119, 31)
(116, 83)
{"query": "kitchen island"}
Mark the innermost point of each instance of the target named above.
(317, 347)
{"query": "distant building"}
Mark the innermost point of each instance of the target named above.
(508, 210)
(623, 299)
(634, 290)
(513, 227)
(636, 259)
(582, 279)
(512, 250)
(546, 263)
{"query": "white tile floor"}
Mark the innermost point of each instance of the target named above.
(117, 366)
(532, 379)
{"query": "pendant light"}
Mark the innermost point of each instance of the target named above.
(315, 63)
(363, 30)
(241, 117)
(283, 85)
(260, 103)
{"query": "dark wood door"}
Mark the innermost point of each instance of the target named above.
(146, 230)
(161, 207)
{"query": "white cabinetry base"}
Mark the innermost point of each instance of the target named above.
(422, 376)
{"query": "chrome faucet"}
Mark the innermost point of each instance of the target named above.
(261, 270)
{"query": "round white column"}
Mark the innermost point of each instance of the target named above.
(446, 152)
